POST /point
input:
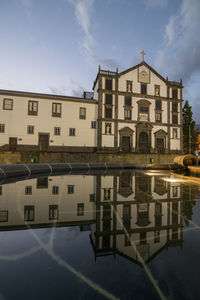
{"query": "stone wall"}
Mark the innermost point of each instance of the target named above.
(7, 157)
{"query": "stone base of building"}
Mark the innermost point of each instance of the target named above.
(15, 157)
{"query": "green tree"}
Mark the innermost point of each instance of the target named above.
(188, 129)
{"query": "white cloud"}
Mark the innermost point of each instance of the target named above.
(83, 12)
(181, 52)
(170, 30)
(68, 87)
(180, 56)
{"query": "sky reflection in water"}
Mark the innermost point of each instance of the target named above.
(111, 236)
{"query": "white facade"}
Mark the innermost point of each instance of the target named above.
(136, 110)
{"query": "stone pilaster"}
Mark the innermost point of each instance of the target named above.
(181, 122)
(168, 122)
(99, 120)
(116, 115)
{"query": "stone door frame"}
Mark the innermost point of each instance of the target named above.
(126, 131)
(160, 134)
(147, 128)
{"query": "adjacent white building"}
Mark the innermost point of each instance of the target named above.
(136, 110)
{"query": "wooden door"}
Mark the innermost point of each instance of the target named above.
(160, 145)
(126, 143)
(43, 141)
(13, 143)
(143, 142)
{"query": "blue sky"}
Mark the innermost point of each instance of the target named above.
(55, 46)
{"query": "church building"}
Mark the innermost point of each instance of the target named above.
(136, 110)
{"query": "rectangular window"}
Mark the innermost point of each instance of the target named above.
(143, 88)
(55, 190)
(158, 221)
(2, 128)
(127, 101)
(156, 236)
(93, 124)
(126, 211)
(158, 105)
(108, 84)
(42, 183)
(174, 93)
(29, 212)
(92, 197)
(108, 99)
(143, 238)
(28, 190)
(175, 133)
(70, 189)
(158, 209)
(53, 212)
(30, 129)
(175, 107)
(108, 128)
(108, 112)
(144, 109)
(7, 104)
(33, 108)
(107, 194)
(174, 119)
(127, 240)
(158, 117)
(72, 131)
(0, 190)
(127, 114)
(129, 86)
(80, 209)
(56, 109)
(82, 113)
(174, 191)
(157, 90)
(57, 130)
(3, 216)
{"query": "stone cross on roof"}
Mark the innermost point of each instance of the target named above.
(143, 54)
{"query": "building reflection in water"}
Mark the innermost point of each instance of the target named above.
(122, 209)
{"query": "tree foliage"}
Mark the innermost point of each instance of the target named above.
(188, 129)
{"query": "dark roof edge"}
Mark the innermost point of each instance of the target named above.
(147, 65)
(168, 82)
(46, 96)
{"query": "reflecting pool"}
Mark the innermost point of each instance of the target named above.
(121, 235)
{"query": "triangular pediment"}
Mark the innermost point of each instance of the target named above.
(143, 63)
(126, 129)
(160, 133)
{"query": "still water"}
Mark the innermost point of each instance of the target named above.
(127, 235)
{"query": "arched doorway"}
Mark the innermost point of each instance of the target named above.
(143, 137)
(143, 142)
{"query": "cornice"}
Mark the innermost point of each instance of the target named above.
(46, 96)
(142, 96)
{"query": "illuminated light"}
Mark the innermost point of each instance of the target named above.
(173, 180)
(156, 173)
